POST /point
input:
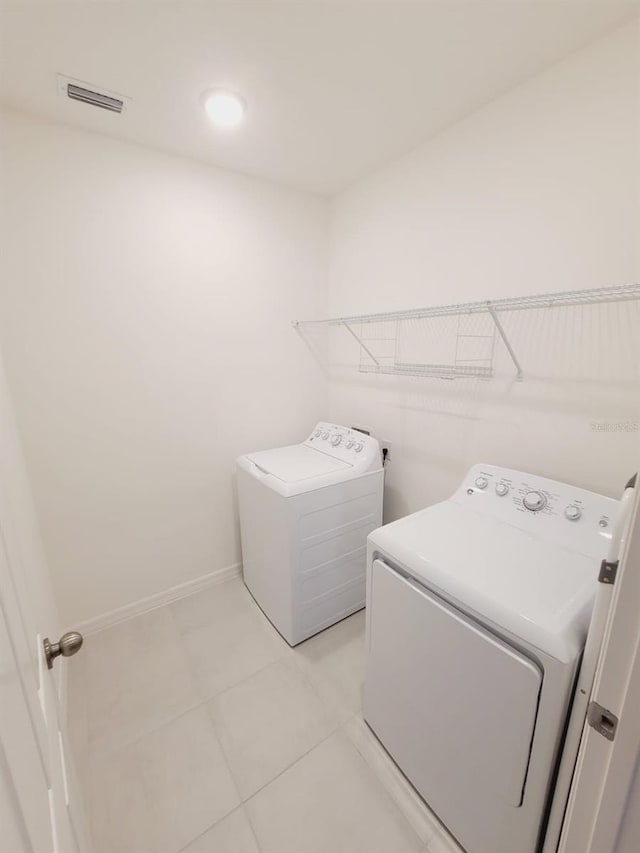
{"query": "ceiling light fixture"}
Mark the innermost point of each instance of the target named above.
(225, 109)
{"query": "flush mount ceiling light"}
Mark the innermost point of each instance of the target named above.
(225, 109)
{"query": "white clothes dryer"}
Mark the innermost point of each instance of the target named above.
(305, 513)
(478, 610)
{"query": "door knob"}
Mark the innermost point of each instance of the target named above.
(67, 645)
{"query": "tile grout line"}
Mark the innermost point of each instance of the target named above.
(204, 831)
(217, 693)
(293, 764)
(238, 808)
(295, 761)
(374, 775)
(288, 654)
(97, 758)
(227, 765)
(93, 757)
(286, 657)
(342, 727)
(202, 703)
(206, 702)
(240, 804)
(243, 802)
(202, 699)
(252, 828)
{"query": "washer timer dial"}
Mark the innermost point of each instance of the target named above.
(534, 501)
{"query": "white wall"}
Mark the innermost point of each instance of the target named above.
(145, 313)
(146, 299)
(536, 192)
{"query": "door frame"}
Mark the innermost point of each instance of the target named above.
(605, 769)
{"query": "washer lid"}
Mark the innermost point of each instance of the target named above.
(537, 591)
(297, 462)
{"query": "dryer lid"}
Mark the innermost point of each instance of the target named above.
(297, 462)
(538, 591)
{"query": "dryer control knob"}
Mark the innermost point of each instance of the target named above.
(572, 512)
(349, 444)
(358, 447)
(534, 501)
(482, 482)
(325, 436)
(317, 433)
(502, 489)
(336, 440)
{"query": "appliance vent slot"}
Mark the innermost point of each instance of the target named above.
(96, 99)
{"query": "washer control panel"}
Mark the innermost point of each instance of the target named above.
(347, 444)
(575, 517)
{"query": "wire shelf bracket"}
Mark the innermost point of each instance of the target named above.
(505, 340)
(362, 344)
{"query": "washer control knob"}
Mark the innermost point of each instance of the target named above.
(336, 440)
(325, 436)
(534, 501)
(317, 433)
(482, 482)
(572, 512)
(502, 489)
(349, 444)
(358, 447)
(603, 522)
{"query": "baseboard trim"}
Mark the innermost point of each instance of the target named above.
(152, 602)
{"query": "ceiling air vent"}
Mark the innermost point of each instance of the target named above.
(87, 93)
(96, 99)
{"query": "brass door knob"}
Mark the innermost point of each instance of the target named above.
(67, 645)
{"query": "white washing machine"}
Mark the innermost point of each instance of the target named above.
(305, 514)
(478, 610)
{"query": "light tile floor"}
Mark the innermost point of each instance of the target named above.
(199, 730)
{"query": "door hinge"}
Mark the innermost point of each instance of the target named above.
(602, 720)
(608, 571)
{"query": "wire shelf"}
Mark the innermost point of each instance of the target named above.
(472, 341)
(618, 293)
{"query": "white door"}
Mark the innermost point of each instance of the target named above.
(39, 806)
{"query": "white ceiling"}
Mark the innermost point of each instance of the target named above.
(335, 89)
